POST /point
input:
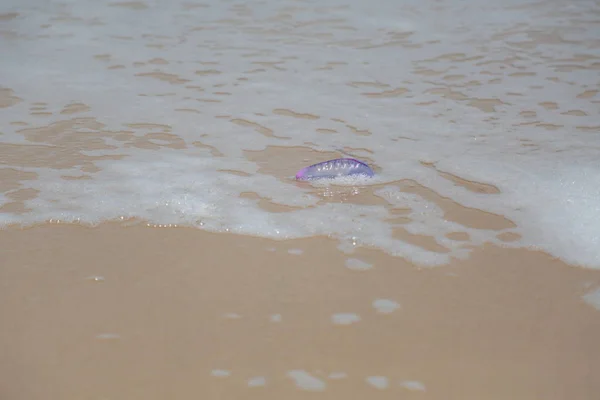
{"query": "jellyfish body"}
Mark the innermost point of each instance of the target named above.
(334, 169)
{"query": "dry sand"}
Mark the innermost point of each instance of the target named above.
(116, 312)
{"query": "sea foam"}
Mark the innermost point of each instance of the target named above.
(144, 113)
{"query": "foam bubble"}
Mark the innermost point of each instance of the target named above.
(306, 381)
(358, 265)
(385, 306)
(413, 386)
(338, 375)
(275, 318)
(593, 298)
(108, 336)
(257, 381)
(96, 278)
(345, 318)
(220, 373)
(378, 382)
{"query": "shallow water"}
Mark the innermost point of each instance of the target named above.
(480, 120)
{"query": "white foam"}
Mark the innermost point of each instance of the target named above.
(593, 298)
(378, 382)
(296, 252)
(544, 164)
(306, 381)
(345, 318)
(385, 306)
(358, 265)
(275, 318)
(257, 381)
(108, 336)
(96, 278)
(338, 375)
(220, 373)
(413, 386)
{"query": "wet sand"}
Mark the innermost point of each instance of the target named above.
(116, 312)
(126, 313)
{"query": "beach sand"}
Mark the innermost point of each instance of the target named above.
(114, 312)
(179, 95)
